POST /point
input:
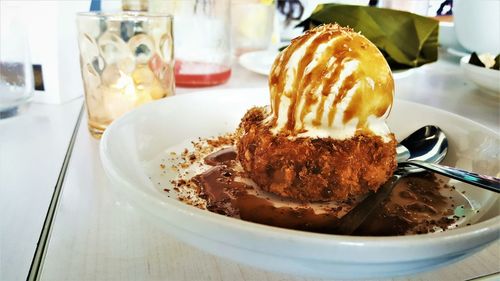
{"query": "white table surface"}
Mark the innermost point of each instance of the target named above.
(32, 149)
(95, 236)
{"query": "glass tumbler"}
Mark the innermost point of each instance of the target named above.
(202, 40)
(16, 71)
(252, 25)
(126, 60)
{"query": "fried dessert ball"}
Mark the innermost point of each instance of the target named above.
(313, 169)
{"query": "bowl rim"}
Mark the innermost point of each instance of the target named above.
(489, 226)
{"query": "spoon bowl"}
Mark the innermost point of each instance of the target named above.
(428, 144)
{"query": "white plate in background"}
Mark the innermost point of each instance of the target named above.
(457, 52)
(261, 62)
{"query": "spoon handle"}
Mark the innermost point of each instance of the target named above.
(352, 220)
(486, 182)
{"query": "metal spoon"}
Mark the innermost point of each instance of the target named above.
(486, 182)
(424, 148)
(428, 143)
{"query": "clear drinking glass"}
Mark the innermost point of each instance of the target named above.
(126, 60)
(16, 71)
(202, 40)
(252, 25)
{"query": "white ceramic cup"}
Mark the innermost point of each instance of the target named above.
(477, 24)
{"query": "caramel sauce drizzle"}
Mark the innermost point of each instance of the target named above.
(277, 78)
(365, 101)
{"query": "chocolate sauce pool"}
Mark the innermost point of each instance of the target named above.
(414, 206)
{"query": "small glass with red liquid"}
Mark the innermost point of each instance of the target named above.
(202, 41)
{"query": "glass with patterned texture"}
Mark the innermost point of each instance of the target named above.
(126, 60)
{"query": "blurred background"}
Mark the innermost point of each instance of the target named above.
(235, 28)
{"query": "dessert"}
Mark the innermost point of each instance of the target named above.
(324, 137)
(315, 154)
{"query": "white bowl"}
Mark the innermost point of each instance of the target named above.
(488, 80)
(132, 144)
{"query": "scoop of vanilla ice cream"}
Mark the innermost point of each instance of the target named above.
(330, 82)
